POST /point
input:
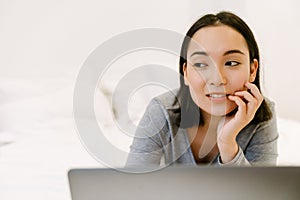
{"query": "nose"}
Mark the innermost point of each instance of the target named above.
(217, 77)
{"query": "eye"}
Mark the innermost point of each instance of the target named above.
(232, 63)
(200, 65)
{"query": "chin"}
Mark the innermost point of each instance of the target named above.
(232, 112)
(223, 112)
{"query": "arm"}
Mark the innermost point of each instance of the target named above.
(248, 103)
(147, 147)
(262, 147)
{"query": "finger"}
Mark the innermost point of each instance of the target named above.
(247, 96)
(255, 92)
(252, 102)
(242, 109)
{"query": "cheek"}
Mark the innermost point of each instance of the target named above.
(195, 79)
(197, 85)
(237, 81)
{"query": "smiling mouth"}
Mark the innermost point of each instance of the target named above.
(217, 95)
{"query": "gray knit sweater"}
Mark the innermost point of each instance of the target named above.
(159, 141)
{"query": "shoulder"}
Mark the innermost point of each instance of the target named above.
(160, 105)
(270, 103)
(159, 116)
(273, 120)
(260, 132)
(167, 100)
(162, 109)
(267, 130)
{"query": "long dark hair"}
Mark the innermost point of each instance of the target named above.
(190, 113)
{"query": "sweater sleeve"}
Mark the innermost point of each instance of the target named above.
(262, 148)
(147, 146)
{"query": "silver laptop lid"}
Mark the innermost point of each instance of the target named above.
(178, 183)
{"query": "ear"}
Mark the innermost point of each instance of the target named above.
(184, 69)
(253, 70)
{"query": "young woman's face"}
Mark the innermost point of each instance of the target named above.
(216, 67)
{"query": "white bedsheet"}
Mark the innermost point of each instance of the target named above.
(36, 167)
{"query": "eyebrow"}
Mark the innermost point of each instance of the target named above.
(233, 51)
(199, 53)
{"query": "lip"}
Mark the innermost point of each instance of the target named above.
(217, 97)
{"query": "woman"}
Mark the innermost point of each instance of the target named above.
(218, 115)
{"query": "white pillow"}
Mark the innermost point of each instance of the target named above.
(288, 142)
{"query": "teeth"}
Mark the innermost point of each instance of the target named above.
(217, 95)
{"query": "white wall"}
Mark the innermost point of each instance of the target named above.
(44, 44)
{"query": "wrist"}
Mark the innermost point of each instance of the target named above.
(228, 150)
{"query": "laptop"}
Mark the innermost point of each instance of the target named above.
(178, 183)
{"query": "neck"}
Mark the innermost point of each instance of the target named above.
(210, 121)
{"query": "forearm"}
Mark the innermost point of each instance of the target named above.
(263, 153)
(239, 160)
(228, 150)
